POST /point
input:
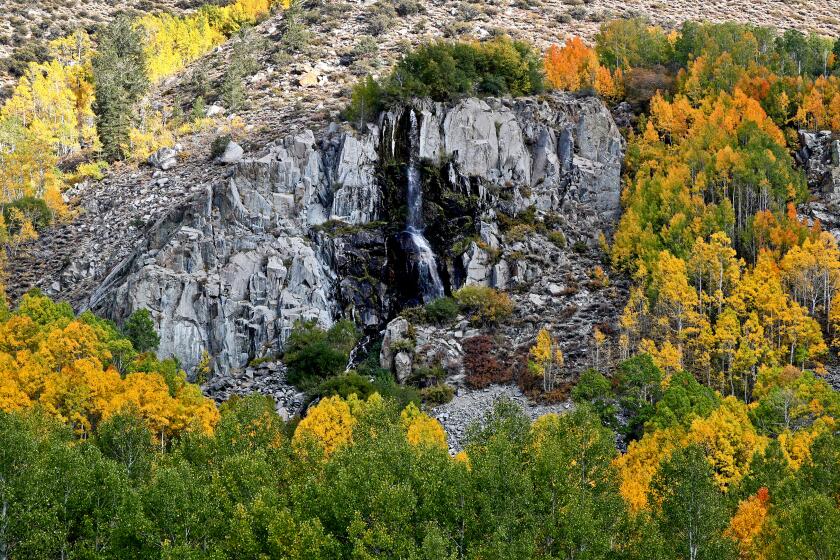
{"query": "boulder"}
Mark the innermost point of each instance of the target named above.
(214, 110)
(233, 153)
(396, 331)
(164, 159)
(402, 366)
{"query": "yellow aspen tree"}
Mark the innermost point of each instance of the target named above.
(729, 441)
(329, 424)
(547, 359)
(422, 429)
(748, 522)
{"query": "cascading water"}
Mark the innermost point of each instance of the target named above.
(415, 243)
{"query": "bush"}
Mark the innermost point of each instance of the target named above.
(140, 330)
(365, 102)
(442, 310)
(481, 363)
(485, 305)
(313, 354)
(557, 238)
(438, 394)
(94, 170)
(345, 385)
(381, 18)
(408, 7)
(34, 209)
(219, 145)
(426, 376)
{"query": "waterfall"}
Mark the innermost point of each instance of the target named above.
(416, 245)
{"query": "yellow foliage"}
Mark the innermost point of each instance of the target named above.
(151, 135)
(796, 445)
(637, 467)
(729, 440)
(547, 359)
(572, 66)
(422, 429)
(62, 365)
(747, 524)
(329, 423)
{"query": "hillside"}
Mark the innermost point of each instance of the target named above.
(440, 280)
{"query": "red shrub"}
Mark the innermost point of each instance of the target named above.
(482, 364)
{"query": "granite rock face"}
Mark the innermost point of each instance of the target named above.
(303, 229)
(819, 155)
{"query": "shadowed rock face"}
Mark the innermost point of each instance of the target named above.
(303, 231)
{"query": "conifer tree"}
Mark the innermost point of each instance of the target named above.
(120, 80)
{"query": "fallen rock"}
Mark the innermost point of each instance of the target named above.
(233, 153)
(164, 159)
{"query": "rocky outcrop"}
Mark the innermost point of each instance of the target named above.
(819, 155)
(304, 230)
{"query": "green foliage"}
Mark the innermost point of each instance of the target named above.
(557, 238)
(34, 209)
(199, 109)
(437, 394)
(365, 102)
(313, 354)
(444, 71)
(219, 145)
(449, 70)
(242, 63)
(139, 328)
(595, 389)
(632, 43)
(442, 310)
(120, 80)
(42, 310)
(693, 513)
(347, 384)
(125, 439)
(639, 389)
(484, 304)
(683, 401)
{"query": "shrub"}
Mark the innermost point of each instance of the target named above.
(365, 46)
(557, 238)
(408, 7)
(140, 330)
(426, 376)
(519, 232)
(219, 145)
(365, 102)
(437, 394)
(485, 305)
(381, 18)
(481, 363)
(199, 109)
(313, 354)
(442, 310)
(345, 385)
(94, 170)
(33, 209)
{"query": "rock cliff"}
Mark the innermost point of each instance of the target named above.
(516, 194)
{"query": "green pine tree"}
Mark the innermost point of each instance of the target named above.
(120, 80)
